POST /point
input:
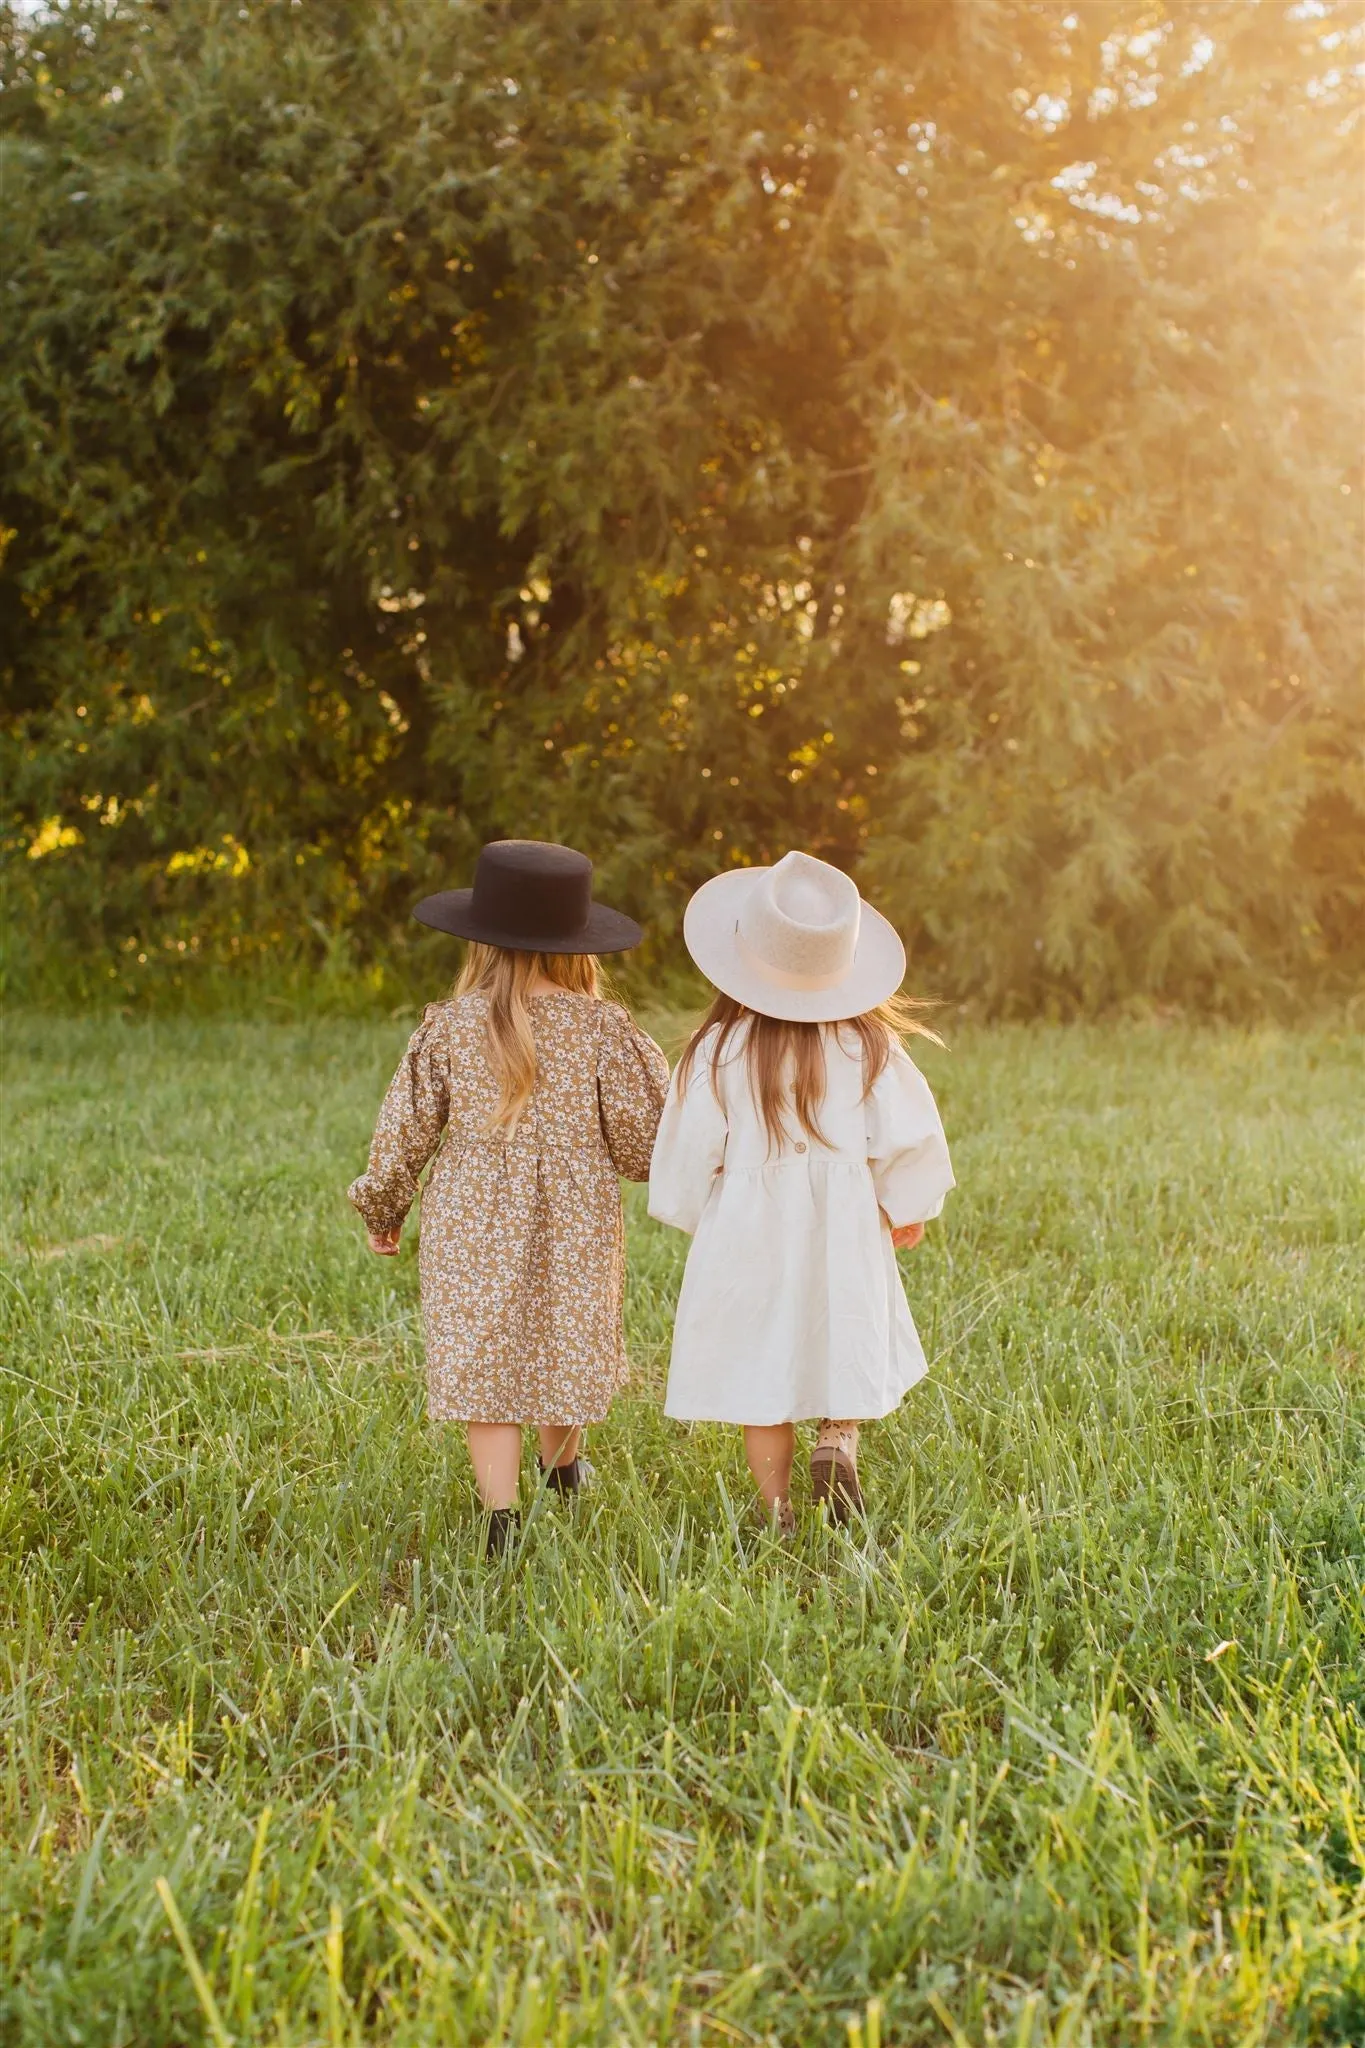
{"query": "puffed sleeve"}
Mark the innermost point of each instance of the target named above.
(906, 1148)
(413, 1116)
(632, 1081)
(690, 1149)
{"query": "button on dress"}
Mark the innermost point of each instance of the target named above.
(522, 1257)
(792, 1306)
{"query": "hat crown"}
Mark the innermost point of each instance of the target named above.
(530, 887)
(801, 922)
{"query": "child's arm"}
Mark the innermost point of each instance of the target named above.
(906, 1150)
(632, 1081)
(689, 1151)
(413, 1116)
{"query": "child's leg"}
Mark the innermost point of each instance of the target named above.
(770, 1447)
(558, 1446)
(495, 1453)
(561, 1468)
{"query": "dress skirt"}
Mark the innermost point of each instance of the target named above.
(522, 1255)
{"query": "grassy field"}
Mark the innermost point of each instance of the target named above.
(1064, 1747)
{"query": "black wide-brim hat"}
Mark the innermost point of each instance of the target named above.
(531, 896)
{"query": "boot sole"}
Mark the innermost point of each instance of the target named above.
(834, 1480)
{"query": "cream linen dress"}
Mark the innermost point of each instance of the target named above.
(522, 1245)
(792, 1306)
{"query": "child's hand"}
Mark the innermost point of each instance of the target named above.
(905, 1238)
(385, 1243)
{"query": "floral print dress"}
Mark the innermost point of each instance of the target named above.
(522, 1256)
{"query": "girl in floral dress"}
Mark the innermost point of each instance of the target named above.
(532, 1094)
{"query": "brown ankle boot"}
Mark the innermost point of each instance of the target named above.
(781, 1517)
(834, 1470)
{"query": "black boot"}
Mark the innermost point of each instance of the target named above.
(563, 1478)
(504, 1525)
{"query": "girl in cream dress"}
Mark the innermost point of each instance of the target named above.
(800, 1147)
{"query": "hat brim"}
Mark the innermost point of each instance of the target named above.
(711, 934)
(606, 931)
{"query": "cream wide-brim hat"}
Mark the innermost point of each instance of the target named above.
(794, 941)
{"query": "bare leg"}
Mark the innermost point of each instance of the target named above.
(558, 1446)
(770, 1449)
(495, 1453)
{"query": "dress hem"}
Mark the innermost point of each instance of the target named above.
(846, 1411)
(579, 1421)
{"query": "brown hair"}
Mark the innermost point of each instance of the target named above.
(506, 978)
(785, 1060)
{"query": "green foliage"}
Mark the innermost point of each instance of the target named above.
(927, 434)
(1065, 1748)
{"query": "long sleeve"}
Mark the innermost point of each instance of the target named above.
(689, 1151)
(906, 1148)
(411, 1121)
(632, 1081)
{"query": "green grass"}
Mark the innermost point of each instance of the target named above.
(1066, 1747)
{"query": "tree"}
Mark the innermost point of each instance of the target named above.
(925, 435)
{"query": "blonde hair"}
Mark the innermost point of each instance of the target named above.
(506, 979)
(784, 1061)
